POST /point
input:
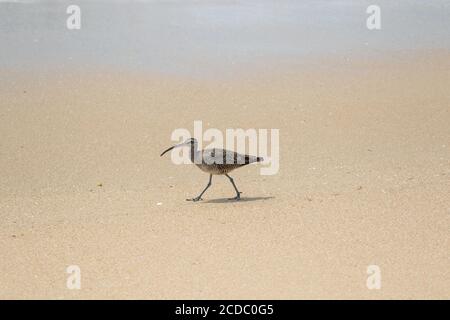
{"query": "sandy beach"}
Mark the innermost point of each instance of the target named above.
(363, 180)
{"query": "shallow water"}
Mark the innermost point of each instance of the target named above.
(199, 37)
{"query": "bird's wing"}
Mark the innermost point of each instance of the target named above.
(222, 156)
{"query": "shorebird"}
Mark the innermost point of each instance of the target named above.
(215, 162)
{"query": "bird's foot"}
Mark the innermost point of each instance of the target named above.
(237, 198)
(194, 199)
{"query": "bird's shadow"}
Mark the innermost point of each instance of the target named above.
(243, 199)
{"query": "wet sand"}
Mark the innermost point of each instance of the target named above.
(363, 180)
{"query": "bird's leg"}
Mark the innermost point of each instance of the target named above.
(200, 196)
(238, 194)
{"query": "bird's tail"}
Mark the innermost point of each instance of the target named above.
(252, 159)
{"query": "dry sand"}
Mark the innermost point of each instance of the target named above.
(364, 179)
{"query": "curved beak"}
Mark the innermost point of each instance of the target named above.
(173, 147)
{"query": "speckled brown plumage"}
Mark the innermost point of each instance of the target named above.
(216, 162)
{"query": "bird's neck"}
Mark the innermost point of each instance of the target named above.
(193, 152)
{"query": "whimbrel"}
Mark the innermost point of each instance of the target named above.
(215, 162)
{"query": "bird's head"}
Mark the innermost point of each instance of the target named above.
(191, 142)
